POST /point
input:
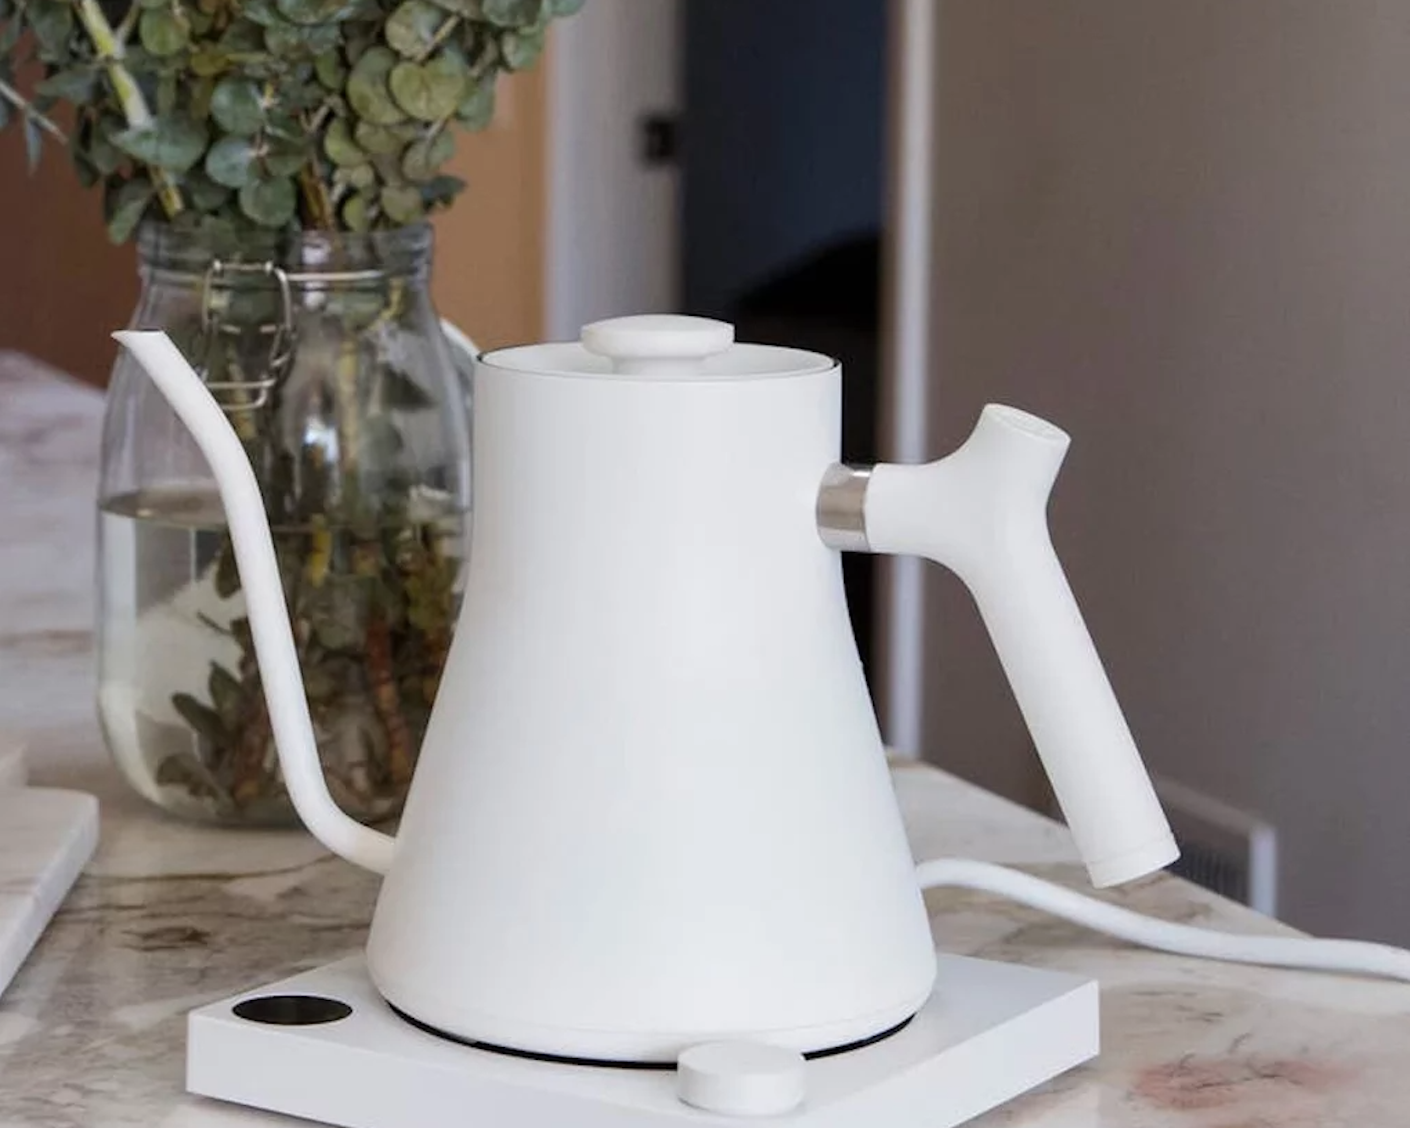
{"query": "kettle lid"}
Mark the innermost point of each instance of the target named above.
(659, 346)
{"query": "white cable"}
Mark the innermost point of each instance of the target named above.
(1354, 956)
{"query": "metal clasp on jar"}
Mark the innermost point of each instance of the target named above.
(246, 395)
(237, 396)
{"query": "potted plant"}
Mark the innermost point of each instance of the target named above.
(275, 160)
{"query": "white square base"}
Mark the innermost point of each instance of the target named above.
(46, 838)
(989, 1032)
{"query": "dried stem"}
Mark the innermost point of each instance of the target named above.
(381, 678)
(251, 745)
(319, 204)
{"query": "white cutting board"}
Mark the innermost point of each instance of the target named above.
(46, 838)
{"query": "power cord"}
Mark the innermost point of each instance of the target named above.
(1352, 956)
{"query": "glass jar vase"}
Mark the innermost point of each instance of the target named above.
(325, 352)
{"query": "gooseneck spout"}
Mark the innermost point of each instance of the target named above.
(264, 598)
(982, 513)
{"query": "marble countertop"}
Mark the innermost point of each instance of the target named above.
(170, 916)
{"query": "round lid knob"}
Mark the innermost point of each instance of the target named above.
(657, 342)
(741, 1078)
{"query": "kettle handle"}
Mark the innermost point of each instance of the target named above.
(981, 513)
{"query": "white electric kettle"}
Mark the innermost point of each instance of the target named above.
(652, 807)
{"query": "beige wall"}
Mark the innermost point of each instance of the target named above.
(63, 286)
(1182, 230)
(489, 246)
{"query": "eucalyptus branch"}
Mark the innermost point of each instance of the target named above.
(312, 186)
(129, 95)
(129, 23)
(23, 104)
(442, 34)
(213, 115)
(320, 115)
(110, 50)
(316, 196)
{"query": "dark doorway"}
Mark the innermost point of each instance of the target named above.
(782, 179)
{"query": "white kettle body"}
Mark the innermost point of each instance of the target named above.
(652, 808)
(655, 784)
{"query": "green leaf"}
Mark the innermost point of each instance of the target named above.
(563, 7)
(162, 33)
(174, 142)
(52, 24)
(243, 38)
(77, 84)
(441, 190)
(412, 28)
(315, 11)
(167, 91)
(226, 695)
(237, 106)
(231, 162)
(262, 12)
(521, 49)
(356, 213)
(340, 147)
(285, 126)
(202, 91)
(33, 144)
(396, 390)
(285, 158)
(10, 35)
(83, 168)
(378, 139)
(422, 158)
(203, 192)
(227, 578)
(380, 441)
(125, 208)
(202, 718)
(430, 91)
(402, 203)
(476, 109)
(332, 72)
(270, 203)
(363, 176)
(368, 92)
(322, 37)
(106, 156)
(283, 38)
(338, 612)
(512, 13)
(188, 771)
(207, 63)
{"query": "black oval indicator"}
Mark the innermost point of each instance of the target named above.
(292, 1010)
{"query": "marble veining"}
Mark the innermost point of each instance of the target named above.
(170, 916)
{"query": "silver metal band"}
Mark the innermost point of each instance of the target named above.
(841, 508)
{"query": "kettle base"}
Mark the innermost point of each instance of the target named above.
(599, 1063)
(324, 1046)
